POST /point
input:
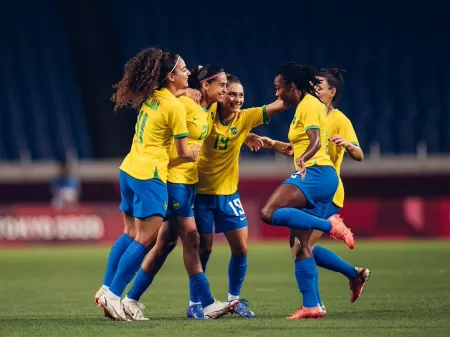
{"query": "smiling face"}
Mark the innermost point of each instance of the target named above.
(217, 89)
(234, 99)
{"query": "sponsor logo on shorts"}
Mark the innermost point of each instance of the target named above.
(176, 205)
(165, 206)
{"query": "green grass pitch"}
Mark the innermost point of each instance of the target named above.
(49, 292)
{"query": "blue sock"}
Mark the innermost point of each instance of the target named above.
(319, 300)
(296, 219)
(193, 298)
(325, 258)
(305, 272)
(117, 250)
(236, 274)
(141, 283)
(204, 258)
(128, 266)
(200, 287)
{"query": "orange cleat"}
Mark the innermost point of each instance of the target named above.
(307, 313)
(340, 231)
(358, 283)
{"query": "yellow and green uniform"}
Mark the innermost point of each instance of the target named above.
(143, 173)
(217, 200)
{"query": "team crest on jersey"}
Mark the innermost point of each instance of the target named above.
(234, 131)
(176, 205)
(165, 206)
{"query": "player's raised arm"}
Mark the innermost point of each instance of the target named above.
(275, 107)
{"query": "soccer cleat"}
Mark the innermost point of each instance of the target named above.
(307, 313)
(99, 293)
(340, 231)
(324, 310)
(195, 311)
(112, 307)
(243, 310)
(134, 310)
(219, 309)
(358, 283)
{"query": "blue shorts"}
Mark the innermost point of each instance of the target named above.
(319, 187)
(332, 210)
(142, 198)
(219, 213)
(181, 200)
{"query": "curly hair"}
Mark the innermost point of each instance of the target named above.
(334, 78)
(304, 77)
(143, 74)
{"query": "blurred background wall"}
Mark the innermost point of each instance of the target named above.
(59, 60)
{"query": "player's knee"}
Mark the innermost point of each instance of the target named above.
(239, 251)
(170, 245)
(193, 239)
(267, 214)
(206, 250)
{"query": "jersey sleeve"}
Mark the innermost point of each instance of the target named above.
(311, 117)
(254, 117)
(348, 132)
(177, 121)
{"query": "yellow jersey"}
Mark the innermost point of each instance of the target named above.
(162, 117)
(310, 113)
(339, 124)
(199, 125)
(218, 165)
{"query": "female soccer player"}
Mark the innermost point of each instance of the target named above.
(218, 201)
(301, 202)
(343, 138)
(149, 83)
(220, 159)
(182, 177)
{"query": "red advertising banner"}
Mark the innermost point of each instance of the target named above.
(412, 217)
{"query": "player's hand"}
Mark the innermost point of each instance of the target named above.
(284, 104)
(253, 142)
(267, 143)
(288, 150)
(301, 167)
(339, 141)
(195, 152)
(194, 94)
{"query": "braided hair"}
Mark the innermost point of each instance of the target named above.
(303, 76)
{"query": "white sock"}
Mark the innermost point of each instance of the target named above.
(113, 296)
(194, 303)
(105, 287)
(126, 299)
(232, 297)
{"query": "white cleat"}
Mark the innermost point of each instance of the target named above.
(219, 309)
(134, 310)
(103, 290)
(112, 307)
